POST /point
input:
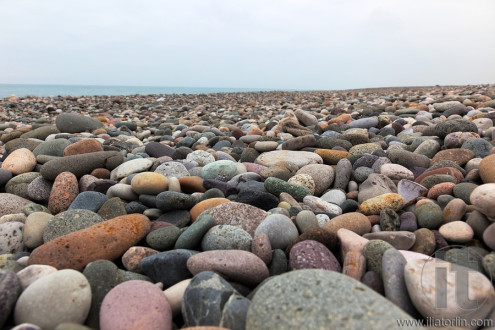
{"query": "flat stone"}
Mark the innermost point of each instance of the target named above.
(375, 185)
(299, 158)
(237, 265)
(169, 267)
(410, 190)
(72, 122)
(130, 167)
(401, 240)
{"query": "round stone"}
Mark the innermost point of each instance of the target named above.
(68, 222)
(301, 298)
(150, 183)
(226, 237)
(304, 180)
(280, 230)
(487, 169)
(221, 169)
(172, 170)
(63, 296)
(457, 232)
(429, 215)
(312, 254)
(71, 122)
(373, 252)
(483, 197)
(34, 228)
(163, 238)
(20, 161)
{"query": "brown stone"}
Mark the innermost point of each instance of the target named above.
(331, 157)
(443, 170)
(457, 155)
(354, 265)
(64, 190)
(106, 240)
(353, 221)
(191, 184)
(83, 146)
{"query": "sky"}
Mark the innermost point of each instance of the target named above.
(277, 44)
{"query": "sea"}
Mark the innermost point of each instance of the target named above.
(7, 90)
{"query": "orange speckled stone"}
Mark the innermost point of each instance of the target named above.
(386, 201)
(83, 146)
(191, 184)
(331, 157)
(205, 205)
(255, 131)
(105, 240)
(64, 190)
(457, 155)
(342, 119)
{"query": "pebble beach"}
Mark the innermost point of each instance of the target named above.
(352, 209)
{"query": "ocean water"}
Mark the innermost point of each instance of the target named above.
(7, 90)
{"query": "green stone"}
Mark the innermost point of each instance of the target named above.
(429, 216)
(277, 186)
(373, 252)
(435, 179)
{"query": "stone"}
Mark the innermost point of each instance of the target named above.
(69, 222)
(396, 172)
(135, 305)
(489, 236)
(171, 201)
(34, 227)
(318, 205)
(260, 199)
(63, 296)
(331, 157)
(130, 167)
(236, 265)
(456, 125)
(389, 220)
(429, 215)
(169, 267)
(71, 122)
(386, 201)
(454, 210)
(19, 161)
(225, 237)
(64, 190)
(353, 221)
(276, 186)
(354, 265)
(105, 240)
(221, 169)
(172, 170)
(463, 191)
(487, 169)
(314, 255)
(10, 289)
(262, 248)
(401, 240)
(301, 298)
(373, 252)
(11, 204)
(163, 238)
(449, 298)
(112, 208)
(191, 237)
(217, 292)
(444, 188)
(306, 220)
(304, 180)
(280, 230)
(393, 263)
(32, 273)
(323, 176)
(150, 183)
(483, 198)
(425, 241)
(175, 296)
(410, 190)
(350, 241)
(342, 174)
(237, 214)
(131, 259)
(39, 189)
(299, 158)
(408, 159)
(51, 148)
(12, 239)
(375, 185)
(457, 155)
(88, 200)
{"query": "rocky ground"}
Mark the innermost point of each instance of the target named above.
(271, 210)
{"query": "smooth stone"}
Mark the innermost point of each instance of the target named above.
(350, 242)
(313, 255)
(171, 201)
(83, 146)
(299, 158)
(51, 148)
(280, 230)
(71, 122)
(396, 172)
(331, 157)
(175, 295)
(463, 191)
(225, 237)
(238, 214)
(12, 240)
(19, 184)
(80, 165)
(301, 298)
(105, 240)
(276, 186)
(478, 222)
(149, 183)
(207, 291)
(386, 201)
(342, 174)
(262, 248)
(39, 189)
(304, 180)
(470, 257)
(63, 296)
(11, 204)
(334, 196)
(64, 190)
(373, 251)
(299, 142)
(401, 240)
(323, 176)
(487, 169)
(260, 199)
(444, 188)
(172, 169)
(489, 236)
(122, 191)
(483, 198)
(112, 208)
(69, 222)
(191, 237)
(456, 139)
(132, 166)
(428, 148)
(135, 305)
(393, 263)
(429, 215)
(353, 221)
(454, 210)
(131, 259)
(456, 125)
(448, 299)
(163, 238)
(169, 267)
(236, 265)
(354, 265)
(457, 155)
(220, 169)
(88, 200)
(19, 161)
(319, 205)
(10, 289)
(30, 274)
(408, 159)
(480, 147)
(425, 241)
(5, 176)
(306, 220)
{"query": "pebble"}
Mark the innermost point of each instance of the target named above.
(353, 221)
(429, 215)
(225, 237)
(298, 158)
(150, 183)
(168, 267)
(280, 230)
(238, 214)
(313, 255)
(401, 240)
(62, 296)
(10, 289)
(386, 201)
(19, 161)
(30, 274)
(373, 251)
(135, 305)
(69, 222)
(12, 237)
(483, 198)
(64, 190)
(72, 122)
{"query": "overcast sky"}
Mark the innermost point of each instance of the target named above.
(280, 44)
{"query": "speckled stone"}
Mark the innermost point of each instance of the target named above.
(19, 161)
(225, 237)
(429, 215)
(483, 197)
(301, 298)
(353, 221)
(64, 190)
(425, 241)
(191, 237)
(237, 214)
(312, 254)
(277, 186)
(261, 247)
(373, 252)
(68, 222)
(163, 238)
(10, 204)
(386, 201)
(12, 240)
